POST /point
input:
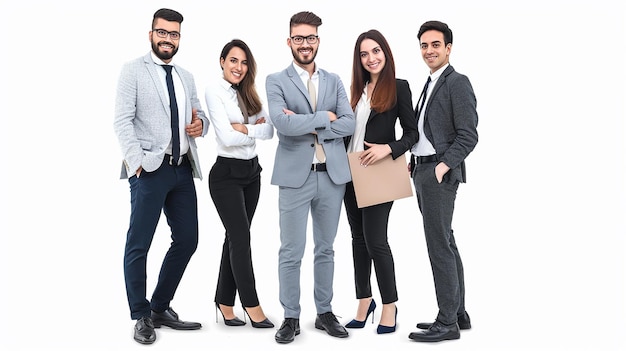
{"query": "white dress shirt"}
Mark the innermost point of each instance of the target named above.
(423, 147)
(315, 78)
(180, 102)
(223, 109)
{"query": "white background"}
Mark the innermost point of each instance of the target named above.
(539, 223)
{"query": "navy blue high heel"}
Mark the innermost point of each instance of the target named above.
(383, 329)
(354, 324)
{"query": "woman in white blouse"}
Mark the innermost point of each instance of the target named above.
(238, 118)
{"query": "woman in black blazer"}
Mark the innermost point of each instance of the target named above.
(379, 100)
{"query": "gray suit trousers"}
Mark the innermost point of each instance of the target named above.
(436, 202)
(323, 198)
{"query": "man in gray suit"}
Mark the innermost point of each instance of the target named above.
(447, 121)
(309, 108)
(160, 162)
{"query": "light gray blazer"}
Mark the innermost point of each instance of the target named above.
(295, 150)
(142, 116)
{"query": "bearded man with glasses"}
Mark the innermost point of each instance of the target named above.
(157, 117)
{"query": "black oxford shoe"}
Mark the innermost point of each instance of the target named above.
(169, 318)
(328, 322)
(288, 331)
(437, 332)
(144, 331)
(463, 321)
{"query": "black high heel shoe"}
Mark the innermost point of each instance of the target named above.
(354, 324)
(266, 323)
(383, 329)
(235, 322)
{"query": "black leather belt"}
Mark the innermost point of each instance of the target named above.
(318, 167)
(169, 159)
(425, 159)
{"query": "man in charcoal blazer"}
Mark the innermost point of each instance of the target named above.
(447, 121)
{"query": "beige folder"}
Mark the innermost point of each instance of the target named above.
(384, 181)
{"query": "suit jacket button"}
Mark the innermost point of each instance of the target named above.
(312, 145)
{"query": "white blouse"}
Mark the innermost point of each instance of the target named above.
(223, 109)
(362, 114)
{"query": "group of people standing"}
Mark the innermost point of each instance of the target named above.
(158, 116)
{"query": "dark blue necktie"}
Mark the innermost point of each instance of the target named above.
(423, 97)
(174, 112)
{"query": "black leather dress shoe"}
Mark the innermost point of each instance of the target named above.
(288, 331)
(169, 318)
(437, 332)
(144, 331)
(327, 321)
(463, 321)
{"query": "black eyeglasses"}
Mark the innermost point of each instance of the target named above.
(298, 39)
(162, 33)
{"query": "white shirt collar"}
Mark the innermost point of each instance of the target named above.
(434, 76)
(302, 73)
(158, 61)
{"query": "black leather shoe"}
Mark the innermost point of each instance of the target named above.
(437, 332)
(327, 321)
(288, 331)
(144, 331)
(169, 318)
(463, 321)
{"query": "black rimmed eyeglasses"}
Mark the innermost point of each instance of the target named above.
(298, 39)
(162, 33)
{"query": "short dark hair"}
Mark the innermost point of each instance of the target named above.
(168, 15)
(438, 26)
(305, 17)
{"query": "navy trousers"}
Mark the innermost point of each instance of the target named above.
(169, 189)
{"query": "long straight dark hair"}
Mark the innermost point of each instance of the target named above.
(246, 87)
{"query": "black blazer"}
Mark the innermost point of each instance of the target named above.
(381, 127)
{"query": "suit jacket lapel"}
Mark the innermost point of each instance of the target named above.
(321, 89)
(154, 74)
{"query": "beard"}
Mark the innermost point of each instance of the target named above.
(296, 56)
(164, 55)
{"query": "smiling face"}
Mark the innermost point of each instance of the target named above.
(235, 65)
(304, 54)
(372, 57)
(434, 50)
(164, 48)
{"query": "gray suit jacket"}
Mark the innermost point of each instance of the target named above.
(142, 116)
(450, 122)
(295, 150)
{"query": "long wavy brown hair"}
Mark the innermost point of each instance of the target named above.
(384, 95)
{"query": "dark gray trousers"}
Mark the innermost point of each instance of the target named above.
(436, 202)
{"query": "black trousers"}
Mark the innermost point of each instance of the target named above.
(368, 226)
(235, 186)
(436, 202)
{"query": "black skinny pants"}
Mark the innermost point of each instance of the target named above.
(368, 226)
(235, 186)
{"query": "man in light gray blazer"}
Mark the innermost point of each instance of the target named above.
(446, 123)
(160, 162)
(308, 106)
